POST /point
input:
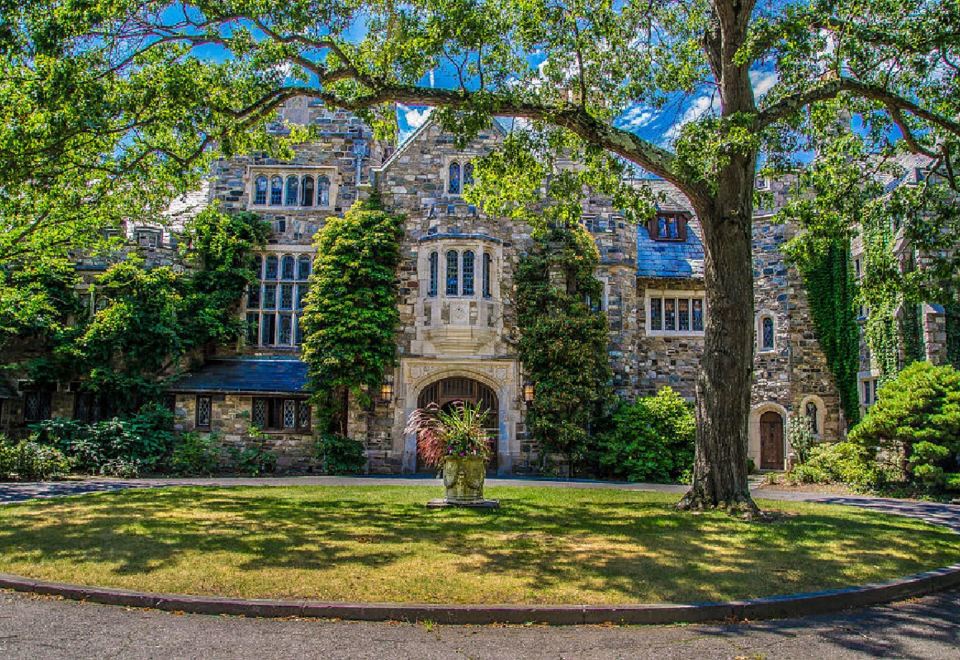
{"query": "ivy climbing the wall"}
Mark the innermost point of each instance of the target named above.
(881, 292)
(952, 313)
(563, 345)
(350, 312)
(136, 324)
(831, 294)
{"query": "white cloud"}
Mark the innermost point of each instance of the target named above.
(700, 107)
(762, 81)
(414, 117)
(635, 117)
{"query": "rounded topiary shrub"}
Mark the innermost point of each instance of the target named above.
(914, 427)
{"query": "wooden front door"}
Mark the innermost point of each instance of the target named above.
(449, 390)
(771, 441)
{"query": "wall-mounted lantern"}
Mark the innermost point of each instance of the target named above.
(386, 392)
(528, 392)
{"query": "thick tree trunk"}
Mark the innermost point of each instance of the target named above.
(726, 216)
(726, 374)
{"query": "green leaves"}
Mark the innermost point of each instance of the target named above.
(563, 343)
(350, 313)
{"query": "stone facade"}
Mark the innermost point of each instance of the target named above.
(458, 335)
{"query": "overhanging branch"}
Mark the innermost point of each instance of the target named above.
(793, 103)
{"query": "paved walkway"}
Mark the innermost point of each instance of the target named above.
(36, 628)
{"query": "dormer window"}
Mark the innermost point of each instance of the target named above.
(668, 227)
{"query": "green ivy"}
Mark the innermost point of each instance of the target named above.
(952, 313)
(831, 293)
(563, 345)
(882, 293)
(148, 319)
(350, 314)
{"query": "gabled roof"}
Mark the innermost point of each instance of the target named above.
(413, 137)
(249, 375)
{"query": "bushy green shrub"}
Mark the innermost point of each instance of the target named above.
(195, 455)
(341, 455)
(30, 461)
(144, 439)
(951, 482)
(652, 439)
(839, 463)
(121, 467)
(914, 427)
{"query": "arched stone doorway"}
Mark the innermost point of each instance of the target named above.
(771, 441)
(459, 388)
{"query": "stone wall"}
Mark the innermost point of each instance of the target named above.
(230, 421)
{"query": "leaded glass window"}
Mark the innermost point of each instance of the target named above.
(434, 275)
(276, 191)
(677, 314)
(259, 414)
(260, 190)
(656, 314)
(468, 273)
(286, 330)
(323, 191)
(307, 191)
(271, 273)
(453, 273)
(669, 314)
(204, 412)
(287, 267)
(271, 302)
(286, 296)
(293, 191)
(468, 174)
(281, 414)
(303, 267)
(766, 328)
(683, 318)
(36, 406)
(453, 183)
(289, 414)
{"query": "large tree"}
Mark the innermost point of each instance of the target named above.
(573, 68)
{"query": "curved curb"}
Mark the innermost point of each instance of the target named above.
(774, 607)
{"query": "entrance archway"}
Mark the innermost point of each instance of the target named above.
(771, 441)
(449, 390)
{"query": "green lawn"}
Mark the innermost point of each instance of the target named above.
(545, 545)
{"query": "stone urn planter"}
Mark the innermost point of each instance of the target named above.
(463, 479)
(456, 443)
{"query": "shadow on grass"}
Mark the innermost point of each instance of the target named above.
(605, 546)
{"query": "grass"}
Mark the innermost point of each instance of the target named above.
(545, 545)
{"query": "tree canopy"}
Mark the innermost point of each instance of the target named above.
(167, 82)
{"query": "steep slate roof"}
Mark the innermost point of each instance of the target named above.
(669, 259)
(246, 375)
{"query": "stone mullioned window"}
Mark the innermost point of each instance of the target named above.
(275, 302)
(675, 313)
(293, 188)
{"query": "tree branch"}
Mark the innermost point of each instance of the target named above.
(793, 103)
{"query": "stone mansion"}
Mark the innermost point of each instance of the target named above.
(458, 333)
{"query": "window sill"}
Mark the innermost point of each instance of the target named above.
(675, 333)
(284, 207)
